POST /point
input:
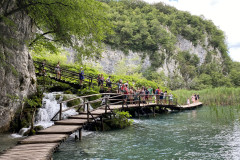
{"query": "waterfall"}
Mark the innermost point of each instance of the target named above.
(49, 108)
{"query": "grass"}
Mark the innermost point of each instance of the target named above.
(214, 97)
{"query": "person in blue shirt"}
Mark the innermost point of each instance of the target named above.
(81, 76)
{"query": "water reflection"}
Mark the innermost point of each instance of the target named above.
(205, 133)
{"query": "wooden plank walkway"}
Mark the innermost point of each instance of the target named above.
(44, 138)
(42, 146)
(191, 106)
(60, 129)
(71, 122)
(83, 116)
(37, 151)
(98, 112)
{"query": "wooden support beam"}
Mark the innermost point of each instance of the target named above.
(60, 112)
(88, 112)
(138, 113)
(101, 118)
(80, 134)
(154, 111)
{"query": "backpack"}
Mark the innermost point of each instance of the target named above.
(157, 91)
(122, 87)
(125, 91)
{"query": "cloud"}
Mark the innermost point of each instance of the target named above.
(224, 14)
(237, 45)
(235, 54)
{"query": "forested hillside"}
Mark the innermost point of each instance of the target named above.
(156, 31)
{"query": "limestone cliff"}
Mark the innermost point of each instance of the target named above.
(17, 73)
(111, 58)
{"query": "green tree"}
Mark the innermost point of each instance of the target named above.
(79, 24)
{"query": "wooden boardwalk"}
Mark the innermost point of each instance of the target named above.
(42, 145)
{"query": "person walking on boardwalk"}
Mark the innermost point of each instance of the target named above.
(165, 97)
(125, 91)
(98, 79)
(101, 90)
(198, 97)
(157, 93)
(161, 97)
(150, 90)
(131, 95)
(81, 76)
(119, 84)
(188, 102)
(108, 82)
(193, 98)
(136, 96)
(170, 99)
(146, 95)
(101, 79)
(58, 71)
(142, 94)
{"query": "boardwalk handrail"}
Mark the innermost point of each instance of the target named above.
(66, 74)
(79, 106)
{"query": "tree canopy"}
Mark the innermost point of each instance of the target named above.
(79, 24)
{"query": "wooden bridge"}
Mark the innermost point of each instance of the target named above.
(42, 145)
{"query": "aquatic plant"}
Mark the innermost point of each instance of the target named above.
(222, 96)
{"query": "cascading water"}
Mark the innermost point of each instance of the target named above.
(49, 108)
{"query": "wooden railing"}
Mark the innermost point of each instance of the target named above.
(69, 76)
(119, 99)
(66, 74)
(87, 103)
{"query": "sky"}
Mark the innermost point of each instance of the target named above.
(223, 13)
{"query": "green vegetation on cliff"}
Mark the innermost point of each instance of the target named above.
(154, 30)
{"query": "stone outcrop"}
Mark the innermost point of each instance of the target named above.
(17, 73)
(111, 58)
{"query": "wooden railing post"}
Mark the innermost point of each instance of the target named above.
(169, 100)
(91, 81)
(139, 102)
(139, 105)
(101, 119)
(60, 112)
(80, 134)
(106, 103)
(122, 101)
(88, 112)
(154, 111)
(44, 82)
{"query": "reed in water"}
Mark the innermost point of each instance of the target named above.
(213, 96)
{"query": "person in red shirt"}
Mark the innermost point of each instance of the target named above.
(125, 92)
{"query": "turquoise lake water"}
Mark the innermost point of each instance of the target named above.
(205, 133)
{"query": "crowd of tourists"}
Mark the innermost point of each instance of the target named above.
(194, 99)
(133, 94)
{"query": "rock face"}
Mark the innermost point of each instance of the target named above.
(17, 73)
(111, 58)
